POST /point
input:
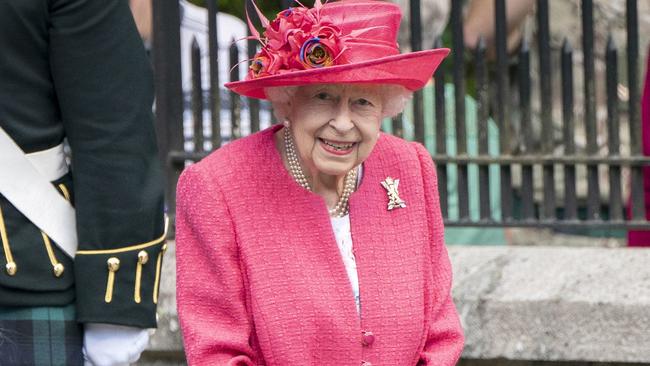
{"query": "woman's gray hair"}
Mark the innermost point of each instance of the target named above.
(394, 98)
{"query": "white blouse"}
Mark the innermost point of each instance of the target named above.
(341, 226)
(343, 235)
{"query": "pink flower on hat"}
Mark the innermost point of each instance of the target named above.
(265, 63)
(297, 39)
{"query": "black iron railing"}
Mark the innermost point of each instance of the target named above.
(518, 152)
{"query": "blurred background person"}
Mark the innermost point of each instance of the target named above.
(434, 14)
(478, 19)
(479, 22)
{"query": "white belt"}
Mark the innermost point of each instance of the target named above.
(50, 163)
(25, 182)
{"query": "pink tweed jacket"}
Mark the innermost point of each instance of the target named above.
(261, 280)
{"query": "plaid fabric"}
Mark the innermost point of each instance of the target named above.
(40, 336)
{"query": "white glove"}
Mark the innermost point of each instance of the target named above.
(113, 345)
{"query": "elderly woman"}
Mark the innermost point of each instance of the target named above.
(319, 240)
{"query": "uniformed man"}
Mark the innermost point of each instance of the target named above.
(76, 70)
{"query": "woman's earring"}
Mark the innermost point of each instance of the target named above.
(286, 123)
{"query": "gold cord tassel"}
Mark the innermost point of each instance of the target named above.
(143, 258)
(11, 266)
(113, 265)
(57, 267)
(158, 265)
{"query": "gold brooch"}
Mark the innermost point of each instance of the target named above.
(393, 195)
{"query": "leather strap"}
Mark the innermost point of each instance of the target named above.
(25, 186)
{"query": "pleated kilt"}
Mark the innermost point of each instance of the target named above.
(48, 336)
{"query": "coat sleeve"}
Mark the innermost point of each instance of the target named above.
(444, 342)
(104, 91)
(210, 285)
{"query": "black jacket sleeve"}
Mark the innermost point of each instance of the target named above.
(103, 84)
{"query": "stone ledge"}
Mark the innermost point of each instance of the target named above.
(543, 303)
(519, 303)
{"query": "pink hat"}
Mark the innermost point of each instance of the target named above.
(349, 41)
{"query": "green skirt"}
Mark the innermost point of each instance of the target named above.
(40, 336)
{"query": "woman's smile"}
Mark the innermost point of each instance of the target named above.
(337, 147)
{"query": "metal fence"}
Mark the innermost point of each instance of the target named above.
(534, 163)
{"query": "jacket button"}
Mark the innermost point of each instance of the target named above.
(11, 268)
(367, 338)
(365, 363)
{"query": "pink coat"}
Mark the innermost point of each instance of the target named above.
(261, 280)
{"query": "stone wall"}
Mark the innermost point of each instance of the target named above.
(520, 306)
(554, 303)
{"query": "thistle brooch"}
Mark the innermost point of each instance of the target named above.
(393, 195)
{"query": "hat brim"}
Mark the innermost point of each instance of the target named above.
(411, 70)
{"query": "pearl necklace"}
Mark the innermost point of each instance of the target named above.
(341, 208)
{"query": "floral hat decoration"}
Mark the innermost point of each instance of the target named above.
(348, 41)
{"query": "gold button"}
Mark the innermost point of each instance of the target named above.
(58, 269)
(113, 264)
(11, 268)
(143, 257)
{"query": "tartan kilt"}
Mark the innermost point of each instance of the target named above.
(40, 336)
